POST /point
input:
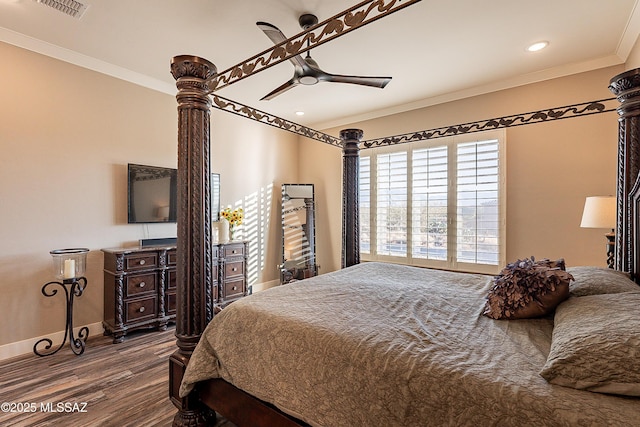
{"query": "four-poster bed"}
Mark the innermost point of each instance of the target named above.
(194, 78)
(245, 409)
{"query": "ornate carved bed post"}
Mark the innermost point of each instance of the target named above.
(350, 211)
(194, 268)
(626, 87)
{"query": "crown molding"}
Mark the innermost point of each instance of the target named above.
(67, 55)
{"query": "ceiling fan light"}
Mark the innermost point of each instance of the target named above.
(308, 80)
(538, 46)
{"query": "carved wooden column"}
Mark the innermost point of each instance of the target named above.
(626, 87)
(194, 267)
(350, 211)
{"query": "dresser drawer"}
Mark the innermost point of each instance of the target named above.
(234, 268)
(172, 257)
(141, 261)
(171, 304)
(215, 273)
(140, 309)
(233, 288)
(235, 249)
(140, 284)
(172, 279)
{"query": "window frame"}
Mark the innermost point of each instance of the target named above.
(450, 263)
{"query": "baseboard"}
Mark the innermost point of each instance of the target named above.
(19, 348)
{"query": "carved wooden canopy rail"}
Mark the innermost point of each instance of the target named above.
(550, 114)
(271, 120)
(546, 115)
(351, 19)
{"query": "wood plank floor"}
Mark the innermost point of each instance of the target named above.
(122, 384)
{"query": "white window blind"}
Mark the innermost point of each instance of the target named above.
(436, 203)
(477, 205)
(429, 203)
(391, 204)
(364, 193)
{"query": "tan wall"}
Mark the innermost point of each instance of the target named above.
(66, 136)
(551, 167)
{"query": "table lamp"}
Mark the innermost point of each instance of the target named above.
(600, 212)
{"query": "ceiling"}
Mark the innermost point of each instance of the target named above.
(435, 50)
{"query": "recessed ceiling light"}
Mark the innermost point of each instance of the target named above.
(538, 46)
(299, 113)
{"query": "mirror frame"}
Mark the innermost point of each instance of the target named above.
(307, 263)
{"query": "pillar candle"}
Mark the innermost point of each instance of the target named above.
(69, 269)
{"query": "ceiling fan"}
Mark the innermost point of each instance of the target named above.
(307, 72)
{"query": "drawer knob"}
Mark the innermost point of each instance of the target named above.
(235, 288)
(142, 284)
(233, 251)
(141, 310)
(142, 262)
(234, 269)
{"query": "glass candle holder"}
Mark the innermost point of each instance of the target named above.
(69, 263)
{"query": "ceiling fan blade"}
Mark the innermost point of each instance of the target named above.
(279, 90)
(277, 37)
(380, 82)
(307, 70)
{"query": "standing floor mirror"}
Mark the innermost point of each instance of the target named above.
(298, 233)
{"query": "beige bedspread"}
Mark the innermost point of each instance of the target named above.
(388, 345)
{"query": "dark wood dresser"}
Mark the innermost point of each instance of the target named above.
(140, 285)
(232, 272)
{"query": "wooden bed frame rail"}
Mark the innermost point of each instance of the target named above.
(242, 408)
(194, 281)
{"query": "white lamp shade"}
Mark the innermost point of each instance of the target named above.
(163, 212)
(599, 212)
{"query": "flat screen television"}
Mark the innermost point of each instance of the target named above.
(152, 194)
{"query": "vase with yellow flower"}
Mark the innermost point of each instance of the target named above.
(234, 218)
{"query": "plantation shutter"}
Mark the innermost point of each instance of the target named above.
(429, 203)
(364, 194)
(477, 213)
(391, 204)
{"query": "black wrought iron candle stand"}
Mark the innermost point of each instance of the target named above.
(72, 288)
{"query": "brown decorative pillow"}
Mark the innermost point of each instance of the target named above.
(528, 288)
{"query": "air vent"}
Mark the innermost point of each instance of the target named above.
(72, 8)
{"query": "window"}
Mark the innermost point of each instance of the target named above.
(435, 203)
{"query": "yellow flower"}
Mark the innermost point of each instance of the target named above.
(234, 217)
